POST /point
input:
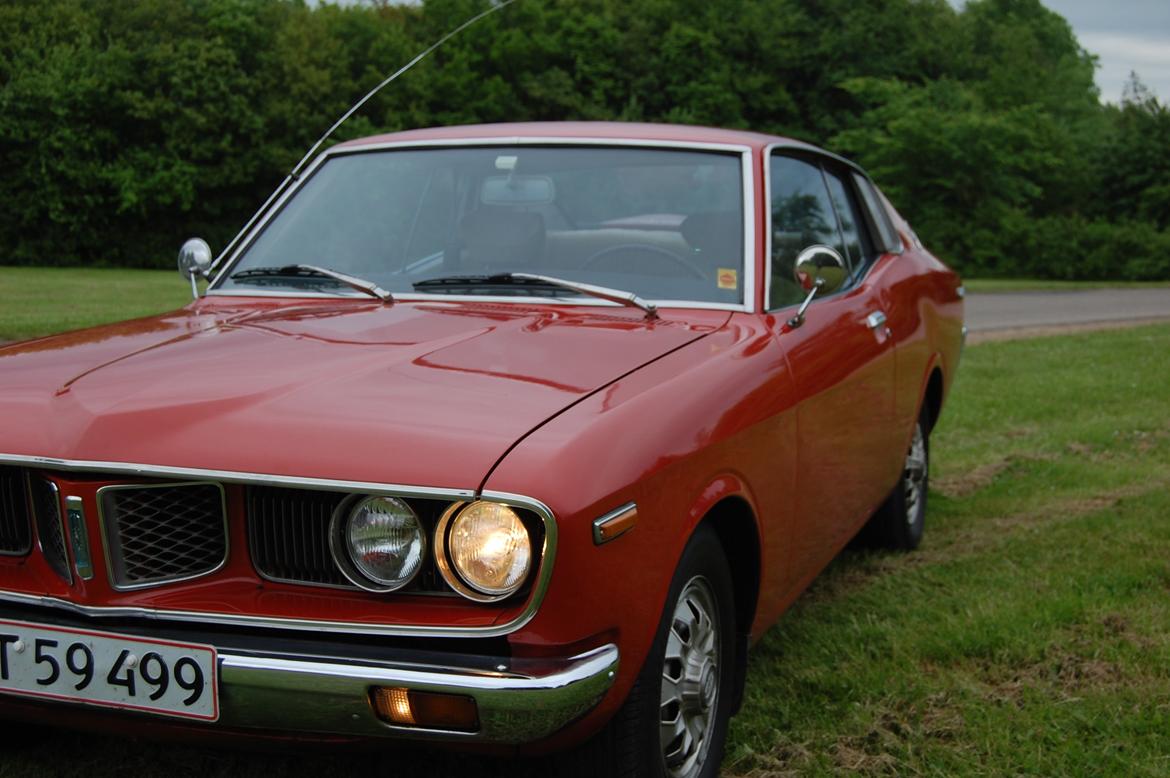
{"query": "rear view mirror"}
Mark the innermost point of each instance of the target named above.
(517, 190)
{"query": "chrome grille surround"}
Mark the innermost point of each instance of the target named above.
(162, 533)
(15, 514)
(308, 625)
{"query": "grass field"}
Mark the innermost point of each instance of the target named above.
(37, 301)
(1029, 634)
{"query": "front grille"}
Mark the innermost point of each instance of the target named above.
(288, 533)
(15, 527)
(47, 508)
(163, 533)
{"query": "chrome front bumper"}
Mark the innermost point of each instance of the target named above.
(520, 701)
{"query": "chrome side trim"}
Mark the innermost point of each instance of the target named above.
(244, 239)
(78, 537)
(105, 527)
(539, 589)
(333, 696)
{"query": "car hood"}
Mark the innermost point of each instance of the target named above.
(418, 393)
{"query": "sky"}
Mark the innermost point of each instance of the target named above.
(1125, 35)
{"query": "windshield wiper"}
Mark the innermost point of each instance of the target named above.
(353, 282)
(531, 279)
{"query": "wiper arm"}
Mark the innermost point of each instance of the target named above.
(353, 282)
(501, 279)
(601, 292)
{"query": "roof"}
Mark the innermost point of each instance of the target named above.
(677, 133)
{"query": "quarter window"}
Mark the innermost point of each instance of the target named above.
(802, 215)
(850, 224)
(887, 236)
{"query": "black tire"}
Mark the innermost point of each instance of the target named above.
(899, 523)
(630, 746)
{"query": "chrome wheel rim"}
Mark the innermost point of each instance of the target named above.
(690, 680)
(914, 476)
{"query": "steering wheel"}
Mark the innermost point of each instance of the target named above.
(646, 249)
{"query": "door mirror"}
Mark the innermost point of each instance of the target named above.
(819, 270)
(194, 262)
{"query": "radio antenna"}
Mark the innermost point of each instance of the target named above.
(295, 174)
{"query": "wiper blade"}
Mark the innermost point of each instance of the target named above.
(531, 279)
(353, 282)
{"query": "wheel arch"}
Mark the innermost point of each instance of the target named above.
(932, 397)
(734, 522)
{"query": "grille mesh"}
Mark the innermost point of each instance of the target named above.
(163, 533)
(47, 509)
(15, 528)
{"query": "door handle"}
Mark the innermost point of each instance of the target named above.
(875, 320)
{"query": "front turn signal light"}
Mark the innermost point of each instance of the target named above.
(426, 710)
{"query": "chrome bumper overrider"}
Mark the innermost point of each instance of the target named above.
(515, 705)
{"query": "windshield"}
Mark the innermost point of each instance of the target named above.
(663, 224)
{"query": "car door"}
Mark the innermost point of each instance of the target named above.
(841, 358)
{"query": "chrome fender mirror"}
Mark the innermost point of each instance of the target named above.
(819, 269)
(194, 262)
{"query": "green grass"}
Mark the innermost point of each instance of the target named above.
(37, 301)
(988, 285)
(1028, 635)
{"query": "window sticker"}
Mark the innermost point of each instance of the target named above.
(727, 278)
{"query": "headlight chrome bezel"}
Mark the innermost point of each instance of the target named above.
(342, 552)
(450, 572)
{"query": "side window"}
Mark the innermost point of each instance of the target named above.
(885, 235)
(802, 214)
(850, 223)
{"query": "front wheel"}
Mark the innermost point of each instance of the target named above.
(674, 722)
(899, 522)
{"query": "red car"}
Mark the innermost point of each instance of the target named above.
(514, 435)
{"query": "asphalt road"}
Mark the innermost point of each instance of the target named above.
(1003, 312)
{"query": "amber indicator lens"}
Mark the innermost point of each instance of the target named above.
(426, 710)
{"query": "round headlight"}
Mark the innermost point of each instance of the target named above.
(378, 542)
(487, 547)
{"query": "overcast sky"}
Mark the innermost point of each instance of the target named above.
(1126, 35)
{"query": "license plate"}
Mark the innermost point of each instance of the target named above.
(115, 671)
